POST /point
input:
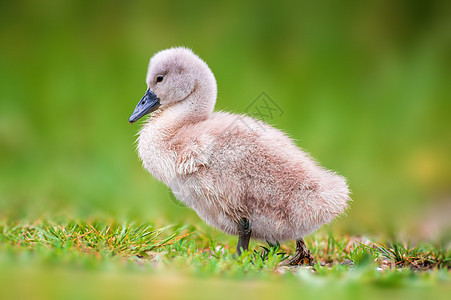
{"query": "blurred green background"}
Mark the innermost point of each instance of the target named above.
(364, 86)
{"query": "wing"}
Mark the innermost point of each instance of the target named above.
(195, 154)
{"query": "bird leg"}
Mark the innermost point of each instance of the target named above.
(244, 235)
(302, 256)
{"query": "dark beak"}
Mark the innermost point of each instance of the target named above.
(146, 105)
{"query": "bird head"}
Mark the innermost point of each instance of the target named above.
(174, 76)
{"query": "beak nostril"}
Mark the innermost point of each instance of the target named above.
(148, 103)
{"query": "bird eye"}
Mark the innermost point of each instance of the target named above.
(159, 78)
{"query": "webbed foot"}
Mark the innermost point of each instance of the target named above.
(302, 256)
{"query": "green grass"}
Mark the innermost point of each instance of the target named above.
(105, 252)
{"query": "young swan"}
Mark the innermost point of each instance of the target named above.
(239, 174)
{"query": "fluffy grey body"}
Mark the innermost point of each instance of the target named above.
(230, 167)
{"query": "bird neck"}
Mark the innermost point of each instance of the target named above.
(195, 108)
